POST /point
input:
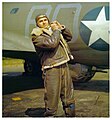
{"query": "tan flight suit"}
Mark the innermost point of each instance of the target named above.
(51, 47)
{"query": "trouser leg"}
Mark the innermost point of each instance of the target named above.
(67, 95)
(52, 90)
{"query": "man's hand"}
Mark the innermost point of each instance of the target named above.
(56, 25)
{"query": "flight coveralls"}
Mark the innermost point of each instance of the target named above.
(53, 50)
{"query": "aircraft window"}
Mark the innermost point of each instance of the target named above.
(14, 10)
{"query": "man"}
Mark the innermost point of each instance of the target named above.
(49, 41)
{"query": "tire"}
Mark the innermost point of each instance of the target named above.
(81, 73)
(32, 68)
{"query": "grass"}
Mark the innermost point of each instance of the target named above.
(11, 61)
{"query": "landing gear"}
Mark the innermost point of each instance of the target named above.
(81, 73)
(32, 67)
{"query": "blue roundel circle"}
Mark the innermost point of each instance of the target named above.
(94, 28)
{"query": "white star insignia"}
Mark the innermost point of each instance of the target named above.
(99, 28)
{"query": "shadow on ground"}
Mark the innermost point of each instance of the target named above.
(19, 83)
(13, 84)
(93, 85)
(35, 112)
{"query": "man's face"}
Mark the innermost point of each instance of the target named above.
(43, 22)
